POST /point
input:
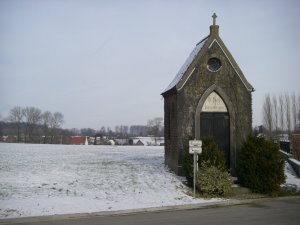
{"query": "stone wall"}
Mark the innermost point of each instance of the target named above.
(170, 122)
(238, 100)
(296, 146)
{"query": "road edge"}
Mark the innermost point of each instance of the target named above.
(225, 203)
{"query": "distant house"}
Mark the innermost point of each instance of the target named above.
(79, 140)
(120, 141)
(148, 141)
(111, 142)
(8, 139)
(139, 142)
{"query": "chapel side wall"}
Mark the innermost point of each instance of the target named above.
(170, 122)
(229, 82)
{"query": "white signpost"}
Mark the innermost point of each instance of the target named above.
(195, 147)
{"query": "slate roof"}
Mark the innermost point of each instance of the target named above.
(186, 65)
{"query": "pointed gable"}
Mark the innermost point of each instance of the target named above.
(206, 43)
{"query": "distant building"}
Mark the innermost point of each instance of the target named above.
(139, 142)
(8, 139)
(121, 141)
(79, 140)
(148, 141)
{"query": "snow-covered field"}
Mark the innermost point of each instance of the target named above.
(63, 179)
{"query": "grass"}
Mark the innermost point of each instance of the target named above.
(241, 193)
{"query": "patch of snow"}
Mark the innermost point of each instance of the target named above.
(291, 177)
(186, 64)
(285, 153)
(295, 161)
(62, 179)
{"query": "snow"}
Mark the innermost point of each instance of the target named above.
(63, 179)
(186, 65)
(285, 153)
(291, 177)
(295, 161)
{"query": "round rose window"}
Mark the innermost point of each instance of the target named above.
(214, 64)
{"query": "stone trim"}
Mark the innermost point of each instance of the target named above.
(231, 112)
(215, 40)
(187, 79)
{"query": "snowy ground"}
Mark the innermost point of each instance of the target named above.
(291, 178)
(60, 179)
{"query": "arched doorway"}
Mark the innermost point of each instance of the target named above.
(215, 122)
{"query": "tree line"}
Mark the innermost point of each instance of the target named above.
(30, 122)
(32, 125)
(281, 114)
(153, 128)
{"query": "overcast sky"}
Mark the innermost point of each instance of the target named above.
(105, 63)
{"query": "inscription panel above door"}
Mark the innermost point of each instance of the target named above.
(214, 103)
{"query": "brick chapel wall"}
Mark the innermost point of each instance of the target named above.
(170, 122)
(296, 146)
(227, 79)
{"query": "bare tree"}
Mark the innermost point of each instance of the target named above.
(1, 126)
(46, 119)
(268, 115)
(287, 107)
(109, 132)
(298, 126)
(124, 130)
(87, 132)
(56, 121)
(117, 130)
(275, 113)
(32, 117)
(103, 130)
(294, 112)
(281, 112)
(298, 116)
(155, 126)
(16, 117)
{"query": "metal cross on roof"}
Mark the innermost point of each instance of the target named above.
(214, 16)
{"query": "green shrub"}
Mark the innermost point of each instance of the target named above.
(213, 181)
(260, 167)
(211, 154)
(188, 163)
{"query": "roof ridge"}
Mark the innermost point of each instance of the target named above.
(202, 40)
(187, 64)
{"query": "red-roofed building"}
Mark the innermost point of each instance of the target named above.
(79, 140)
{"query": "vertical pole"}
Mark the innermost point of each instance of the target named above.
(195, 167)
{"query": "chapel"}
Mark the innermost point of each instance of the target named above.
(209, 96)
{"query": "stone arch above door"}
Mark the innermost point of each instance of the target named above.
(226, 101)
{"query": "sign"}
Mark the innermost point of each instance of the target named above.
(195, 146)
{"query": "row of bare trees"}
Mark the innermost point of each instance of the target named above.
(281, 114)
(154, 128)
(32, 118)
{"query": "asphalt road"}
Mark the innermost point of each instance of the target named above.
(283, 211)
